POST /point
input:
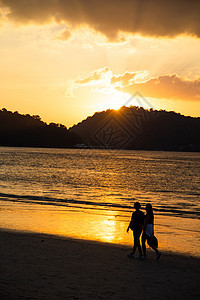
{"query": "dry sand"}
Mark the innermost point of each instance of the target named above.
(34, 266)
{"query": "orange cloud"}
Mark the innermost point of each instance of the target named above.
(169, 86)
(149, 18)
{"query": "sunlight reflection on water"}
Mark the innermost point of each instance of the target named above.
(181, 237)
(89, 194)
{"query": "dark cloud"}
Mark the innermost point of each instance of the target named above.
(147, 17)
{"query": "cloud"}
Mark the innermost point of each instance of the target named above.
(100, 79)
(124, 79)
(64, 35)
(168, 87)
(146, 17)
(162, 87)
(93, 76)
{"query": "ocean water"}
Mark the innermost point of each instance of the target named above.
(90, 193)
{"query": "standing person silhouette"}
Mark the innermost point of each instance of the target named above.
(136, 224)
(148, 232)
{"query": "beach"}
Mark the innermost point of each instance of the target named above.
(47, 190)
(39, 266)
(64, 215)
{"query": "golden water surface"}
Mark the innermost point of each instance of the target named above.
(97, 226)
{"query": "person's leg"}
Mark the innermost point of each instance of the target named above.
(131, 255)
(154, 248)
(135, 242)
(139, 248)
(144, 238)
(158, 253)
(138, 243)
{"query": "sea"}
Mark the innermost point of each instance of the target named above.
(90, 193)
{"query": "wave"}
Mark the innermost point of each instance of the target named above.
(84, 204)
(59, 201)
(178, 192)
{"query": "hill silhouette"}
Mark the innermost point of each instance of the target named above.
(29, 131)
(136, 128)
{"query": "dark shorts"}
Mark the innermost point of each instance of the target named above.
(137, 232)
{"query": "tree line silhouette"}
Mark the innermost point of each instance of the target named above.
(128, 128)
(140, 129)
(29, 131)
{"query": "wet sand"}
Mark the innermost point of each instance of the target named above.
(36, 266)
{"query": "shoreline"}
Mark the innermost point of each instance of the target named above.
(43, 266)
(178, 235)
(97, 148)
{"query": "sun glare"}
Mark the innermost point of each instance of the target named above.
(114, 99)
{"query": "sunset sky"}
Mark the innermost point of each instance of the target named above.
(66, 59)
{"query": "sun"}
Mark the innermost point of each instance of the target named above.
(114, 99)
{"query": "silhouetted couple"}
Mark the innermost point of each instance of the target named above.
(144, 224)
